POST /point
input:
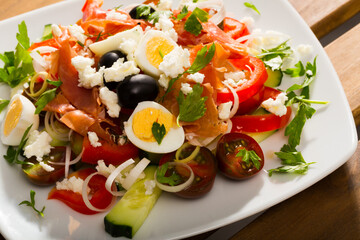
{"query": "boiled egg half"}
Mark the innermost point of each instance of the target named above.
(20, 115)
(138, 128)
(151, 49)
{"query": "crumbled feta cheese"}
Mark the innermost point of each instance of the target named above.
(166, 25)
(164, 81)
(94, 140)
(248, 21)
(88, 76)
(276, 106)
(56, 30)
(38, 145)
(149, 186)
(164, 5)
(275, 63)
(128, 47)
(197, 77)
(186, 88)
(77, 32)
(234, 78)
(119, 70)
(224, 110)
(309, 72)
(110, 100)
(72, 184)
(107, 170)
(115, 15)
(174, 63)
(304, 50)
(46, 167)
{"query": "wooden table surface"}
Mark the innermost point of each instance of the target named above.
(330, 209)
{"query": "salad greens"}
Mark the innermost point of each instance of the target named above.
(158, 131)
(47, 96)
(252, 6)
(12, 153)
(31, 204)
(193, 23)
(248, 156)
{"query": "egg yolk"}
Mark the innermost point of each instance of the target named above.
(144, 119)
(13, 116)
(156, 48)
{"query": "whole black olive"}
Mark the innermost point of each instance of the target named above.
(108, 59)
(146, 11)
(136, 88)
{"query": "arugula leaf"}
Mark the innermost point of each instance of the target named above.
(12, 154)
(172, 180)
(44, 99)
(203, 57)
(290, 156)
(3, 104)
(298, 71)
(158, 131)
(193, 23)
(310, 75)
(299, 169)
(273, 57)
(293, 98)
(248, 156)
(184, 12)
(193, 106)
(32, 204)
(17, 65)
(252, 6)
(47, 33)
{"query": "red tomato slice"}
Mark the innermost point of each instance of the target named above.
(235, 28)
(261, 123)
(100, 197)
(258, 77)
(110, 153)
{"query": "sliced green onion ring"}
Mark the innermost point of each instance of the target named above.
(190, 157)
(44, 76)
(179, 187)
(56, 129)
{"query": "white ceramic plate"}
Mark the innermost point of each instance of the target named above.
(329, 139)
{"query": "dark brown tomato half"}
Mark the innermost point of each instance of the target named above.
(234, 166)
(204, 168)
(38, 175)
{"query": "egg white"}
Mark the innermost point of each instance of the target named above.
(173, 139)
(27, 117)
(140, 53)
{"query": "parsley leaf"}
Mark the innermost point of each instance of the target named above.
(155, 16)
(248, 156)
(203, 58)
(310, 75)
(172, 180)
(193, 23)
(3, 104)
(46, 96)
(273, 57)
(299, 169)
(252, 6)
(32, 204)
(193, 106)
(17, 65)
(143, 11)
(298, 71)
(12, 154)
(158, 131)
(184, 12)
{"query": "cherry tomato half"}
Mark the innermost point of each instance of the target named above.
(234, 166)
(204, 168)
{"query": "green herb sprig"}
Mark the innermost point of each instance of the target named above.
(31, 204)
(249, 155)
(251, 6)
(47, 96)
(172, 180)
(12, 153)
(158, 132)
(193, 23)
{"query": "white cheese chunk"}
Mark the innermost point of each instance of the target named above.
(72, 184)
(174, 63)
(186, 88)
(224, 110)
(119, 70)
(164, 5)
(56, 30)
(166, 25)
(46, 167)
(110, 100)
(149, 186)
(276, 106)
(115, 15)
(77, 32)
(164, 81)
(88, 76)
(38, 145)
(196, 77)
(94, 140)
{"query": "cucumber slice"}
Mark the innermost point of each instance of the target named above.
(130, 212)
(261, 136)
(274, 78)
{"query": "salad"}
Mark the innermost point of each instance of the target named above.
(138, 100)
